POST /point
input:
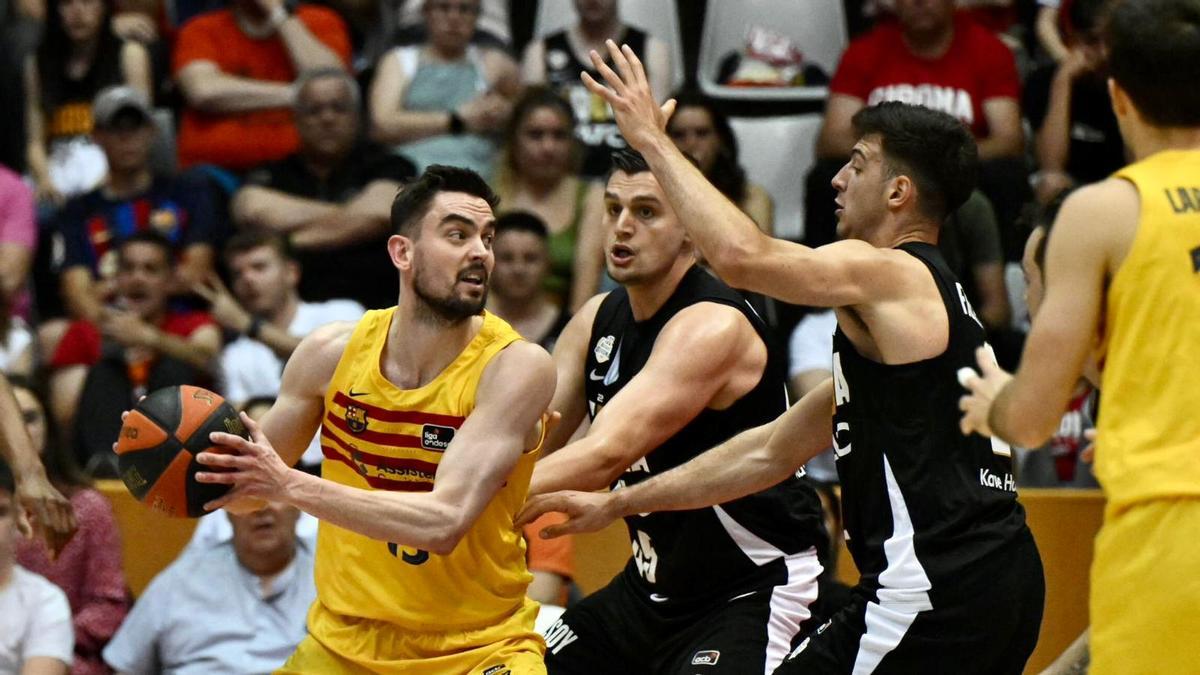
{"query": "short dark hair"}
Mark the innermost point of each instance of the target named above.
(248, 240)
(522, 221)
(148, 237)
(934, 149)
(630, 161)
(1154, 55)
(413, 201)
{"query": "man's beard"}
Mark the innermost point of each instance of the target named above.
(447, 310)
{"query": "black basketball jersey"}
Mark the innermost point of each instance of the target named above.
(686, 558)
(920, 501)
(594, 122)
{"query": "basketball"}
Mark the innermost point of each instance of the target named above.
(158, 444)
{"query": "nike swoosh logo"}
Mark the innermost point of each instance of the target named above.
(594, 377)
(743, 595)
(356, 394)
(655, 597)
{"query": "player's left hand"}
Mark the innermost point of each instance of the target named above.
(977, 405)
(254, 469)
(641, 120)
(585, 511)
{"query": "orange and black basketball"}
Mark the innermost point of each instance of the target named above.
(159, 441)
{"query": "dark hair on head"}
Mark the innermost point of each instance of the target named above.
(535, 98)
(148, 237)
(726, 174)
(932, 148)
(61, 467)
(248, 240)
(55, 49)
(522, 221)
(413, 201)
(1045, 220)
(1154, 54)
(628, 161)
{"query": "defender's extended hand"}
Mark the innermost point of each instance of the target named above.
(977, 405)
(585, 511)
(641, 120)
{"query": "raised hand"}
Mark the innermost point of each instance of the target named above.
(977, 405)
(224, 307)
(585, 511)
(641, 120)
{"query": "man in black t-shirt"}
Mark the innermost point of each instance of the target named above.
(1067, 104)
(132, 199)
(666, 366)
(332, 199)
(557, 60)
(951, 580)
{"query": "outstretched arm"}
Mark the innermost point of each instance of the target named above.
(841, 274)
(670, 390)
(753, 460)
(1094, 230)
(513, 394)
(53, 517)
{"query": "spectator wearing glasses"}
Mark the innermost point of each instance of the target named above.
(332, 198)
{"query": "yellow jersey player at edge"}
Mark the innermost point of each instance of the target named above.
(1123, 269)
(414, 574)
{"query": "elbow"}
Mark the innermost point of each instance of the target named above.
(1034, 434)
(733, 260)
(443, 540)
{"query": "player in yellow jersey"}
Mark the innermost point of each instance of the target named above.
(1123, 270)
(428, 414)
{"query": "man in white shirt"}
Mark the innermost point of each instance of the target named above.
(269, 315)
(35, 619)
(238, 607)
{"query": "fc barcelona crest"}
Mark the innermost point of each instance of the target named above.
(356, 419)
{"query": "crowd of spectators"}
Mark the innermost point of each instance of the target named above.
(188, 187)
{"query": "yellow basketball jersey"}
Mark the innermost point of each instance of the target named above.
(1148, 443)
(376, 436)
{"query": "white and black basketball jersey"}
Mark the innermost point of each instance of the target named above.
(689, 558)
(595, 125)
(920, 501)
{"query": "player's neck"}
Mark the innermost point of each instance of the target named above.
(6, 575)
(1149, 140)
(593, 35)
(417, 349)
(646, 299)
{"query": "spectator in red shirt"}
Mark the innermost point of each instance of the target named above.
(235, 68)
(88, 570)
(141, 344)
(930, 56)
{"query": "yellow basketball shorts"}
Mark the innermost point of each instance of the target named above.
(1145, 597)
(359, 646)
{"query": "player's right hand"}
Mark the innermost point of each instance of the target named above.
(585, 511)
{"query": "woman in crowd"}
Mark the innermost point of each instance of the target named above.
(703, 132)
(79, 55)
(89, 569)
(443, 101)
(538, 173)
